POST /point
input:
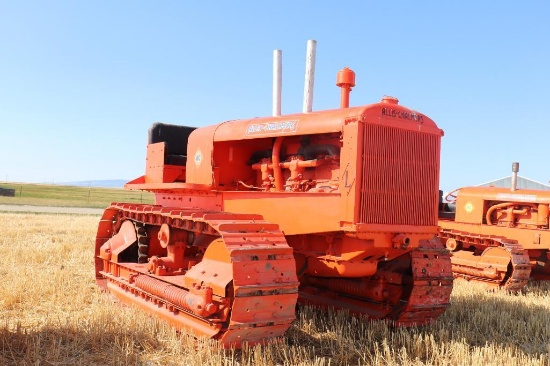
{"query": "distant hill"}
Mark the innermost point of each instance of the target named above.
(108, 183)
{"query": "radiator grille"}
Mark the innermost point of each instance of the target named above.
(400, 176)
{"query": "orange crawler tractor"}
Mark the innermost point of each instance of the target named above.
(498, 236)
(335, 208)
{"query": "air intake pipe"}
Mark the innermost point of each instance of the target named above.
(345, 79)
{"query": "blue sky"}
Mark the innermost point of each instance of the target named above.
(82, 81)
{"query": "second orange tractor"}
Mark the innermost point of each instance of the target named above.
(498, 236)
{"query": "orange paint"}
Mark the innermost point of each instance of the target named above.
(490, 218)
(333, 208)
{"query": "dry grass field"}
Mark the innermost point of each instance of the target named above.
(52, 314)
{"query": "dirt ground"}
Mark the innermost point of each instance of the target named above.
(51, 209)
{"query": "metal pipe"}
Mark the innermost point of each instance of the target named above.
(542, 216)
(344, 97)
(515, 170)
(277, 81)
(492, 209)
(309, 78)
(275, 159)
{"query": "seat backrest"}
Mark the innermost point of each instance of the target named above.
(175, 137)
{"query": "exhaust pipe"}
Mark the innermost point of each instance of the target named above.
(310, 71)
(277, 81)
(515, 170)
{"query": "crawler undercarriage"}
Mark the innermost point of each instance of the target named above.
(233, 277)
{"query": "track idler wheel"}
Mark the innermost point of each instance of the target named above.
(453, 245)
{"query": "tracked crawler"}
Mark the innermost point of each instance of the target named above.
(497, 236)
(227, 276)
(334, 208)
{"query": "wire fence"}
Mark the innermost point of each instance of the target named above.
(70, 195)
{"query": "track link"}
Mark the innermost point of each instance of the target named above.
(143, 243)
(507, 265)
(249, 269)
(432, 284)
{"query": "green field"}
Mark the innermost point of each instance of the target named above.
(71, 196)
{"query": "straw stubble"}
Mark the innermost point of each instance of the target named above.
(52, 313)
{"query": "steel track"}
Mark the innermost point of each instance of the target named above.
(513, 279)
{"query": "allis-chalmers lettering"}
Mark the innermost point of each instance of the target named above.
(285, 126)
(396, 113)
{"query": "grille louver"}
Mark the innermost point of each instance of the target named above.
(400, 176)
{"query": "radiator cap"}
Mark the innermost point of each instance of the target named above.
(389, 100)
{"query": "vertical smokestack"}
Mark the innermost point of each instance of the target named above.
(515, 170)
(277, 81)
(310, 71)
